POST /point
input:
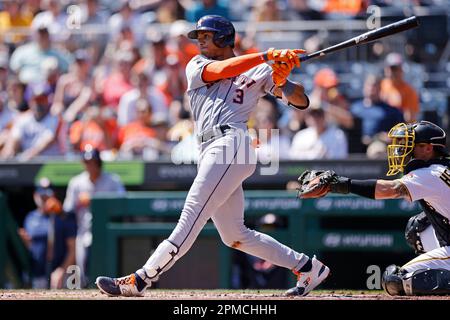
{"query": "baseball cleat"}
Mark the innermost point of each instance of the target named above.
(307, 281)
(115, 287)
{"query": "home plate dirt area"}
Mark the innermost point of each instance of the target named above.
(189, 294)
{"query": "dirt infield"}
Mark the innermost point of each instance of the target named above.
(188, 294)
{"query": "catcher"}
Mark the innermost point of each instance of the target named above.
(419, 152)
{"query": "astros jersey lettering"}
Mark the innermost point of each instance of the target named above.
(228, 100)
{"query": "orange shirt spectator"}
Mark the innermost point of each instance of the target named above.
(179, 44)
(400, 95)
(348, 7)
(326, 95)
(135, 130)
(396, 92)
(186, 52)
(94, 129)
(139, 137)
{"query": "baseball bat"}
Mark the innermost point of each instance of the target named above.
(367, 37)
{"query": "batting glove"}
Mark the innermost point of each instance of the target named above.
(289, 56)
(280, 73)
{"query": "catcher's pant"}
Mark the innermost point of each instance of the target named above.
(217, 193)
(438, 258)
(435, 257)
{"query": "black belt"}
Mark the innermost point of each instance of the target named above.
(212, 133)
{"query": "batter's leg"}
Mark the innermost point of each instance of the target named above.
(229, 221)
(213, 185)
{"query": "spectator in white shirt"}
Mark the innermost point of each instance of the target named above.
(27, 60)
(54, 18)
(126, 17)
(143, 90)
(319, 140)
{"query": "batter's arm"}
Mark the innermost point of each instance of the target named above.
(234, 66)
(231, 67)
(294, 93)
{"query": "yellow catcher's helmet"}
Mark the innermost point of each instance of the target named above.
(402, 144)
(405, 136)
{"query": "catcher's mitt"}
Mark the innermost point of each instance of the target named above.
(315, 184)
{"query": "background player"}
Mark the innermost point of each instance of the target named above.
(418, 150)
(223, 89)
(80, 190)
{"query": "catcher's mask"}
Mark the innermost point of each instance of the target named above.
(405, 136)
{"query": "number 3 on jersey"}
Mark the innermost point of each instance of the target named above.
(239, 97)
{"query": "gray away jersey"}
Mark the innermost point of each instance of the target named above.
(227, 100)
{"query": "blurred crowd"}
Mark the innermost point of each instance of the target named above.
(92, 72)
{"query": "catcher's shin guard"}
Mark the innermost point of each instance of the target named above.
(392, 281)
(161, 260)
(427, 282)
(417, 283)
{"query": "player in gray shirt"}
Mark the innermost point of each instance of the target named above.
(223, 90)
(80, 190)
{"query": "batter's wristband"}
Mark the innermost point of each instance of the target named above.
(265, 56)
(288, 88)
(364, 188)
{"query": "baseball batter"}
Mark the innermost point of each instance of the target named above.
(419, 151)
(223, 89)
